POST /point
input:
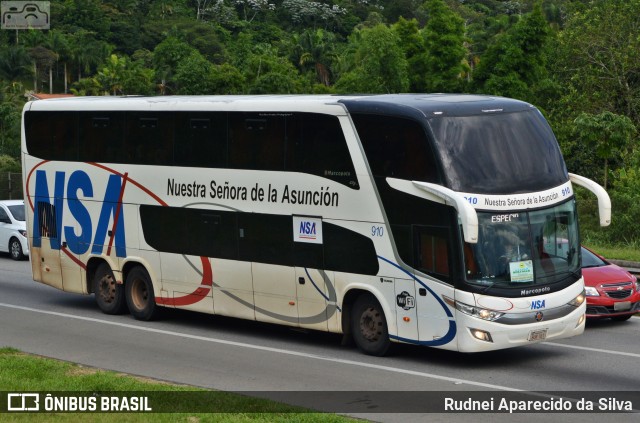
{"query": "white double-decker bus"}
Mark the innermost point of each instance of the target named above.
(439, 220)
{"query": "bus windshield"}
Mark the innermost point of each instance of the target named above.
(498, 153)
(523, 249)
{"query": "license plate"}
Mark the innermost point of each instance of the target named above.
(622, 306)
(538, 335)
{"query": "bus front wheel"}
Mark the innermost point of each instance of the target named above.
(139, 293)
(109, 294)
(369, 326)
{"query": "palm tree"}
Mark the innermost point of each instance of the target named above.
(315, 48)
(45, 59)
(57, 42)
(15, 63)
(87, 52)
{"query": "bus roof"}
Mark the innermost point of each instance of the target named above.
(426, 105)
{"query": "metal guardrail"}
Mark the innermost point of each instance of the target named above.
(632, 267)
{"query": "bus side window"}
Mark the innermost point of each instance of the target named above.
(396, 147)
(101, 137)
(201, 139)
(432, 251)
(149, 138)
(52, 136)
(318, 147)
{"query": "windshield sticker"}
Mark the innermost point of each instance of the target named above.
(521, 271)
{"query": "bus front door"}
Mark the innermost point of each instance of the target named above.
(433, 257)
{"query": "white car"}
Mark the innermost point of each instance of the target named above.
(13, 229)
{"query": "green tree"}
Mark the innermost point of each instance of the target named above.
(608, 133)
(315, 50)
(266, 72)
(227, 79)
(597, 58)
(121, 76)
(9, 164)
(515, 65)
(87, 52)
(15, 63)
(375, 63)
(625, 197)
(11, 102)
(444, 42)
(413, 44)
(166, 57)
(193, 75)
(58, 43)
(111, 76)
(44, 59)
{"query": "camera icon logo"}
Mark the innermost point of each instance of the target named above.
(26, 15)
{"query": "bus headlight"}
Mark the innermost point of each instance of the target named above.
(591, 291)
(577, 301)
(479, 312)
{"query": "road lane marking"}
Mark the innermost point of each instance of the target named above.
(456, 381)
(576, 347)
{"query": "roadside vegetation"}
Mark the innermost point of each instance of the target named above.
(26, 373)
(575, 60)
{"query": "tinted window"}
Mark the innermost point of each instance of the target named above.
(52, 135)
(149, 138)
(432, 251)
(591, 260)
(499, 153)
(348, 251)
(201, 139)
(17, 212)
(263, 238)
(101, 136)
(294, 142)
(198, 232)
(396, 147)
(266, 238)
(257, 141)
(317, 146)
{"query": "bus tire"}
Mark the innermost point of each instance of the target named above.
(109, 294)
(369, 326)
(140, 296)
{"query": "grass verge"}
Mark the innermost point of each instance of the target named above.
(20, 372)
(629, 252)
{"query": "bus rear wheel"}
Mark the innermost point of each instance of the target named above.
(139, 293)
(369, 326)
(109, 294)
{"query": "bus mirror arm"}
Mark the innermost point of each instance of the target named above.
(467, 213)
(604, 202)
(440, 194)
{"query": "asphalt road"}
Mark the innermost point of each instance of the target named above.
(235, 355)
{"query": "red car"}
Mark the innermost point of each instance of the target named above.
(612, 292)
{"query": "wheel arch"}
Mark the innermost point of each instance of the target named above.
(349, 299)
(92, 267)
(120, 274)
